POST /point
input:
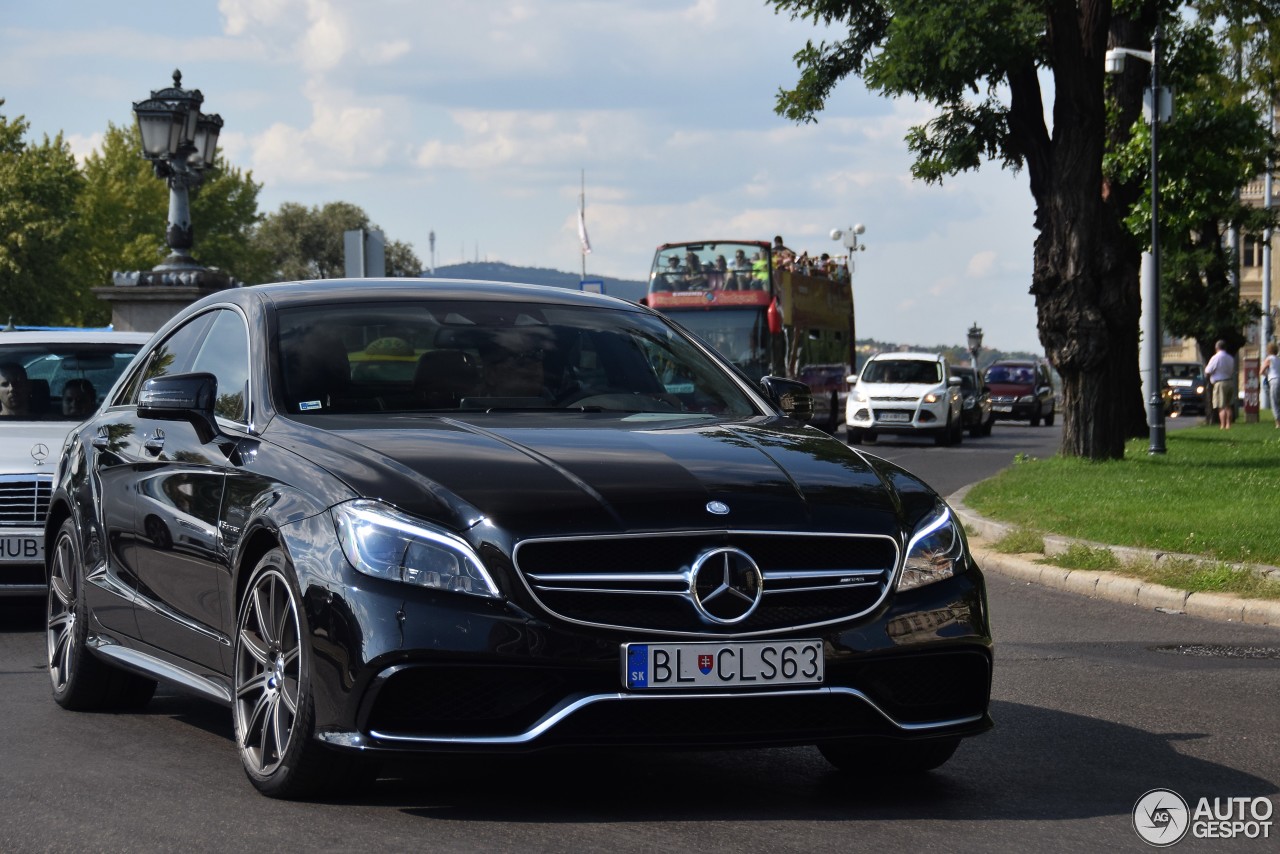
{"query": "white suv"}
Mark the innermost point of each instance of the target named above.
(909, 393)
(52, 380)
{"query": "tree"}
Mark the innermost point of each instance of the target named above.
(307, 243)
(38, 187)
(979, 63)
(1199, 187)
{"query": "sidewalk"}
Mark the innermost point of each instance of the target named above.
(1111, 586)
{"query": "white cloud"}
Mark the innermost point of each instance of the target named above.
(980, 264)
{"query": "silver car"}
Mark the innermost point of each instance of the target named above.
(50, 381)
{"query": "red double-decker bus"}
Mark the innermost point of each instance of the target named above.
(767, 315)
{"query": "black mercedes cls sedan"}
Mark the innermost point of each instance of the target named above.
(381, 517)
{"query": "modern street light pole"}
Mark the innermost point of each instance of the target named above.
(1151, 331)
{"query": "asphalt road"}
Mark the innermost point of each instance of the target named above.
(1091, 711)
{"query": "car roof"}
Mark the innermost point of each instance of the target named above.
(314, 292)
(74, 336)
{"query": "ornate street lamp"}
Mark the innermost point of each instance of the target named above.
(180, 141)
(975, 343)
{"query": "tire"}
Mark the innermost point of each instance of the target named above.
(1035, 420)
(853, 436)
(946, 435)
(975, 432)
(869, 437)
(887, 757)
(273, 711)
(1048, 419)
(986, 428)
(833, 423)
(957, 432)
(81, 682)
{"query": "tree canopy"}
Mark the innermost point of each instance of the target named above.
(307, 243)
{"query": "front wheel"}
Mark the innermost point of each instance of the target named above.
(80, 681)
(274, 712)
(1048, 419)
(887, 757)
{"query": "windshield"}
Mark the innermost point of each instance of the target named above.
(910, 371)
(1182, 370)
(710, 267)
(59, 382)
(740, 335)
(491, 356)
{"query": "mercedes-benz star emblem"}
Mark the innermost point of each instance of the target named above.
(39, 453)
(726, 586)
(719, 508)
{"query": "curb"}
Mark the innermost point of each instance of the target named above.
(1109, 586)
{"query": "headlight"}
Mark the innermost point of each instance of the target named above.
(1027, 398)
(1199, 389)
(933, 397)
(934, 553)
(386, 543)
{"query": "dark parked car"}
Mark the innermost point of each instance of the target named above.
(1185, 388)
(976, 414)
(572, 525)
(1021, 391)
(829, 385)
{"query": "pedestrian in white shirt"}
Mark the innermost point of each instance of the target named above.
(1221, 372)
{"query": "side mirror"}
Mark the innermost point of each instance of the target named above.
(793, 398)
(851, 379)
(953, 381)
(182, 397)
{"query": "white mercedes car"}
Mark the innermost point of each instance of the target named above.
(50, 381)
(907, 393)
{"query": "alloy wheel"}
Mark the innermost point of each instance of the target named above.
(62, 602)
(268, 672)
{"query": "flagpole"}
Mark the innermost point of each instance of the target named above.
(582, 217)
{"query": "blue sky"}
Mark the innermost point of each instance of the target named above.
(477, 118)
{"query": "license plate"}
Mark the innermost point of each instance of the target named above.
(893, 416)
(717, 665)
(21, 550)
(1002, 409)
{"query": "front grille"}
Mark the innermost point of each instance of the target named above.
(1003, 400)
(24, 499)
(645, 582)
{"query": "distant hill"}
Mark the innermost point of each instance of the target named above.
(496, 271)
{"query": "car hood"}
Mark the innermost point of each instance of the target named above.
(31, 446)
(569, 475)
(1011, 389)
(911, 390)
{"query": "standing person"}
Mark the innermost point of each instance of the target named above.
(1221, 372)
(1271, 376)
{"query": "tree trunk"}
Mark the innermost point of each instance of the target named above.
(1085, 278)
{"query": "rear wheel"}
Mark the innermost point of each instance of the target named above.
(274, 711)
(81, 682)
(887, 757)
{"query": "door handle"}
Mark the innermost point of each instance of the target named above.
(101, 441)
(154, 444)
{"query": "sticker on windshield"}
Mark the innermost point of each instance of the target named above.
(308, 405)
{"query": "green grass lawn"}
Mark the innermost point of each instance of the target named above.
(1216, 493)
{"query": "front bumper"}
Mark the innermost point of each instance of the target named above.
(22, 562)
(404, 670)
(897, 416)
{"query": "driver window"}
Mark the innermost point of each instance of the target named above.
(225, 354)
